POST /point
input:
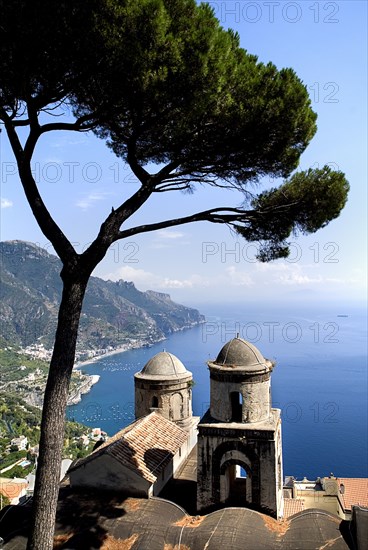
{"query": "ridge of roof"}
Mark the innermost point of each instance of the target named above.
(145, 446)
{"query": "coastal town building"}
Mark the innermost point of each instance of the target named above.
(84, 440)
(13, 488)
(352, 492)
(336, 495)
(20, 442)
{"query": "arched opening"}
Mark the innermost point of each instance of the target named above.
(225, 487)
(176, 407)
(235, 483)
(189, 403)
(236, 400)
(154, 403)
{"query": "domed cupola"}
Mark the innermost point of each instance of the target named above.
(240, 383)
(163, 365)
(164, 385)
(240, 353)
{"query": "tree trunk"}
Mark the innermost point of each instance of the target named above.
(53, 416)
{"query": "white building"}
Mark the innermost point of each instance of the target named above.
(21, 442)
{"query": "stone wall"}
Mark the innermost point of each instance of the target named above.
(221, 446)
(239, 394)
(171, 398)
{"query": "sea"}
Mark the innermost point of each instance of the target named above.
(319, 382)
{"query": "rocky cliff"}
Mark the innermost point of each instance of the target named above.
(114, 313)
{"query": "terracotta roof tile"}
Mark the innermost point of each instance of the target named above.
(10, 488)
(355, 491)
(292, 506)
(146, 446)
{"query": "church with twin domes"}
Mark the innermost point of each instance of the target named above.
(238, 440)
(171, 480)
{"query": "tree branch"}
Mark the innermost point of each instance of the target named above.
(173, 186)
(24, 122)
(12, 135)
(166, 171)
(77, 126)
(228, 216)
(110, 229)
(138, 170)
(48, 226)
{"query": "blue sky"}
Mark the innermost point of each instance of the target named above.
(80, 179)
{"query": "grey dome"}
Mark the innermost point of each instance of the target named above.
(164, 365)
(240, 353)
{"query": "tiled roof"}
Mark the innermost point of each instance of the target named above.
(145, 446)
(355, 491)
(292, 506)
(11, 488)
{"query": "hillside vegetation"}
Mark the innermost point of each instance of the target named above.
(19, 418)
(114, 313)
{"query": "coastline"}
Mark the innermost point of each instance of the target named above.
(110, 352)
(85, 388)
(115, 351)
(79, 364)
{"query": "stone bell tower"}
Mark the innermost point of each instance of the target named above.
(165, 385)
(239, 437)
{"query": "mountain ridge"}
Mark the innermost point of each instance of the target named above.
(114, 313)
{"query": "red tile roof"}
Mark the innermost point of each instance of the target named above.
(355, 491)
(292, 506)
(11, 488)
(145, 446)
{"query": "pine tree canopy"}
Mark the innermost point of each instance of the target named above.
(164, 84)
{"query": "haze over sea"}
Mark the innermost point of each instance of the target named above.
(319, 382)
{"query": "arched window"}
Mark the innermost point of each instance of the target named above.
(176, 407)
(235, 484)
(241, 472)
(236, 400)
(154, 404)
